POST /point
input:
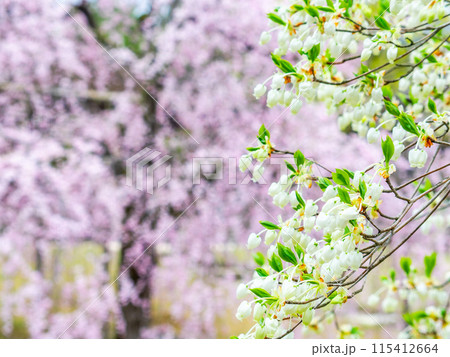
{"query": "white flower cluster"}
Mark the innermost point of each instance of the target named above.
(320, 35)
(299, 270)
(422, 296)
(325, 240)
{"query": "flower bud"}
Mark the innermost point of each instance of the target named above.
(311, 208)
(259, 91)
(296, 45)
(392, 54)
(390, 304)
(270, 237)
(265, 38)
(253, 241)
(257, 173)
(308, 315)
(377, 95)
(373, 135)
(244, 162)
(296, 106)
(329, 28)
(373, 300)
(275, 188)
(417, 158)
(281, 199)
(244, 310)
(241, 291)
(365, 54)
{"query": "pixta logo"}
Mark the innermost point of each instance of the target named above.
(144, 170)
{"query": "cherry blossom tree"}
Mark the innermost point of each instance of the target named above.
(74, 108)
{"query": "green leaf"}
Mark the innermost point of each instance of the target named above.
(275, 18)
(297, 7)
(408, 319)
(387, 92)
(262, 134)
(362, 188)
(311, 10)
(341, 178)
(392, 274)
(299, 250)
(275, 263)
(432, 106)
(325, 8)
(314, 52)
(344, 196)
(282, 64)
(323, 183)
(430, 263)
(384, 6)
(382, 23)
(388, 149)
(405, 264)
(262, 272)
(260, 293)
(259, 258)
(286, 254)
(299, 158)
(269, 225)
(392, 108)
(300, 199)
(432, 59)
(330, 4)
(407, 123)
(290, 167)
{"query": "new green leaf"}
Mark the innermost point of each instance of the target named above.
(260, 293)
(299, 158)
(430, 263)
(275, 263)
(275, 18)
(269, 225)
(286, 254)
(388, 149)
(405, 264)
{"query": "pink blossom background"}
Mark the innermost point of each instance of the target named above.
(82, 255)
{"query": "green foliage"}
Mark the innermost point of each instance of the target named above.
(282, 64)
(262, 272)
(260, 293)
(313, 52)
(405, 264)
(259, 258)
(300, 199)
(269, 225)
(432, 106)
(262, 134)
(430, 263)
(344, 196)
(407, 123)
(391, 108)
(323, 183)
(275, 18)
(299, 158)
(388, 149)
(362, 188)
(341, 177)
(286, 254)
(382, 23)
(275, 263)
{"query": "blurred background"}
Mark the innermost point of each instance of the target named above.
(84, 86)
